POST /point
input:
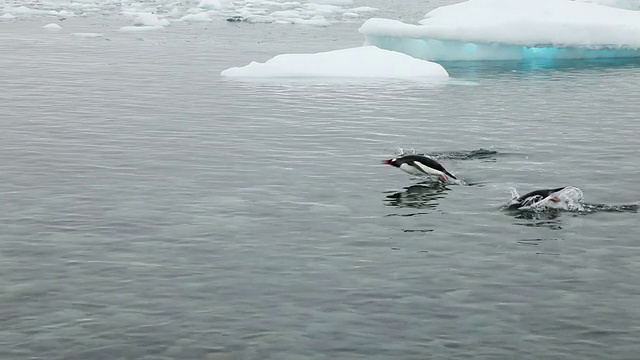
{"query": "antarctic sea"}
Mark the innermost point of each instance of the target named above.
(152, 209)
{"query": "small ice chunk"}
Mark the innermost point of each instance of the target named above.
(333, 2)
(317, 20)
(149, 19)
(23, 10)
(350, 15)
(52, 26)
(66, 13)
(215, 4)
(323, 9)
(359, 62)
(365, 9)
(285, 14)
(200, 17)
(88, 34)
(7, 16)
(140, 28)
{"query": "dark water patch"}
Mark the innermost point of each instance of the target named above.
(417, 230)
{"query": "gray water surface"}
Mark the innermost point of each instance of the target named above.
(154, 210)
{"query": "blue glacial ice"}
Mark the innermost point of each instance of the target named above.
(512, 30)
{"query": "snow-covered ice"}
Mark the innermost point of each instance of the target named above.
(7, 16)
(512, 30)
(359, 62)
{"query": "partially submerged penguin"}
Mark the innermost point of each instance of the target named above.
(420, 165)
(534, 197)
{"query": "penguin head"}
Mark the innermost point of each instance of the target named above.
(392, 162)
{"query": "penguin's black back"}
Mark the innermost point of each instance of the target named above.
(542, 192)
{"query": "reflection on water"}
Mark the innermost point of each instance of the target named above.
(424, 195)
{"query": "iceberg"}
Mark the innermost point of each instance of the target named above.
(359, 62)
(512, 30)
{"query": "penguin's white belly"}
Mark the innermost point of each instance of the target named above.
(413, 171)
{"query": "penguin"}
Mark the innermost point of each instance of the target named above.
(420, 165)
(533, 197)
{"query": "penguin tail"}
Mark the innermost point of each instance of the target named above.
(450, 174)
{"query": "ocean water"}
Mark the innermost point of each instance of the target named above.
(154, 210)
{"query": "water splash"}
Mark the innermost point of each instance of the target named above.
(571, 200)
(568, 199)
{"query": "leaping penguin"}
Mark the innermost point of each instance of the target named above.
(419, 165)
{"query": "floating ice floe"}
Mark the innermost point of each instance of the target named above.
(7, 16)
(141, 12)
(512, 30)
(360, 62)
